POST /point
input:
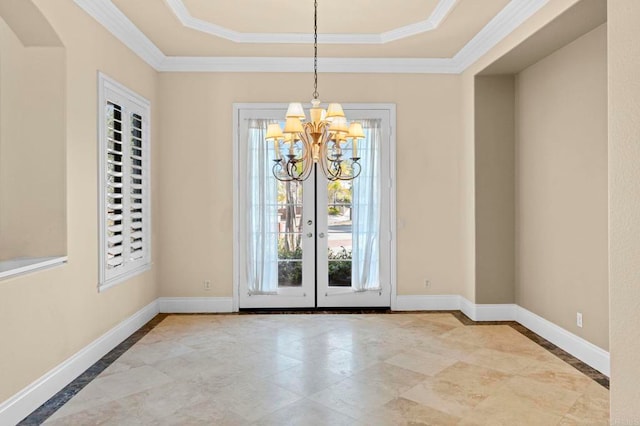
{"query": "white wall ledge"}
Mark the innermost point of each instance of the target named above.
(13, 267)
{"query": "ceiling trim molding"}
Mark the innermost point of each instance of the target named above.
(116, 22)
(507, 20)
(439, 14)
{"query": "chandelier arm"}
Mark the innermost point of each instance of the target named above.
(307, 166)
(307, 152)
(324, 165)
(278, 171)
(292, 168)
(330, 166)
(355, 171)
(326, 168)
(325, 137)
(330, 147)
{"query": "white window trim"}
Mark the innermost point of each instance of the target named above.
(108, 85)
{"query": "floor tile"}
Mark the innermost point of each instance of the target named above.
(389, 377)
(557, 373)
(499, 360)
(592, 407)
(451, 398)
(254, 400)
(353, 398)
(305, 379)
(305, 412)
(338, 369)
(401, 411)
(421, 362)
(475, 378)
(529, 402)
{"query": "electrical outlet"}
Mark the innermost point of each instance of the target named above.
(579, 319)
(427, 283)
(207, 285)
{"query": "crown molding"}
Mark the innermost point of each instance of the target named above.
(439, 14)
(118, 24)
(508, 19)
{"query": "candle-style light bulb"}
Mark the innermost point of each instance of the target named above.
(277, 147)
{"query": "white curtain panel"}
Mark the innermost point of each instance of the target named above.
(365, 269)
(262, 213)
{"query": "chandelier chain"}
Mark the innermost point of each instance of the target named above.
(315, 49)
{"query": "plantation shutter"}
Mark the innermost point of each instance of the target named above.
(125, 227)
(114, 188)
(136, 190)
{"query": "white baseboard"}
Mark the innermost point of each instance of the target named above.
(191, 305)
(27, 400)
(452, 302)
(585, 351)
(427, 303)
(484, 312)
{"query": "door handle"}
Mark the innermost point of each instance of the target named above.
(321, 235)
(309, 222)
(309, 235)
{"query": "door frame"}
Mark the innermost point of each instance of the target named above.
(391, 109)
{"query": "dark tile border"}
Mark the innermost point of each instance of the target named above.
(307, 311)
(47, 409)
(563, 355)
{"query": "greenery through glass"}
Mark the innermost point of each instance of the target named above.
(290, 267)
(339, 267)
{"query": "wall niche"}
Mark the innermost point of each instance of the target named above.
(32, 141)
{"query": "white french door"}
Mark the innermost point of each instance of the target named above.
(314, 243)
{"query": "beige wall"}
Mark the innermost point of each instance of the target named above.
(47, 316)
(494, 188)
(32, 149)
(197, 172)
(561, 187)
(624, 209)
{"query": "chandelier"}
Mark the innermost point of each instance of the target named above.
(320, 140)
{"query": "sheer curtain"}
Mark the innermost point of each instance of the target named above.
(365, 267)
(262, 213)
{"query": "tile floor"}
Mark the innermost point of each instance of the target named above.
(342, 369)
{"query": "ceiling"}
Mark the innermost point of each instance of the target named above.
(428, 36)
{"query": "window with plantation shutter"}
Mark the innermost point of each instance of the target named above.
(125, 220)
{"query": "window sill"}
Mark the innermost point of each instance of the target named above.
(13, 267)
(124, 276)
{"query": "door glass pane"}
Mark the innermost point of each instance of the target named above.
(339, 233)
(290, 234)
